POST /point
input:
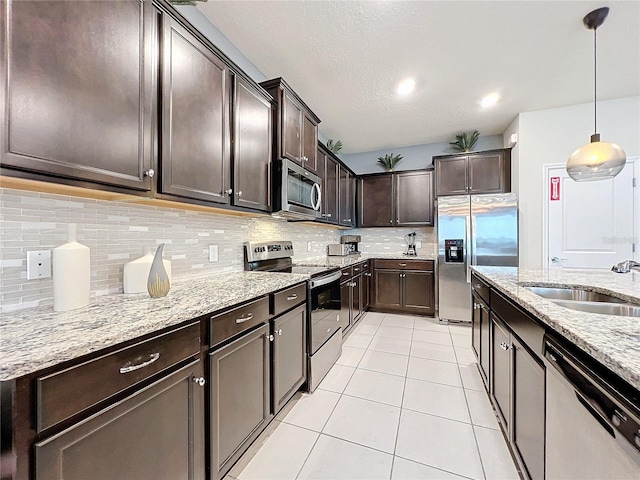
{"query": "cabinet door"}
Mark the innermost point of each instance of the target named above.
(451, 176)
(309, 143)
(195, 127)
(414, 199)
(476, 321)
(238, 409)
(366, 291)
(330, 190)
(418, 292)
(79, 90)
(158, 432)
(485, 343)
(487, 173)
(345, 306)
(501, 370)
(252, 147)
(387, 288)
(289, 355)
(291, 129)
(345, 188)
(375, 206)
(356, 304)
(528, 422)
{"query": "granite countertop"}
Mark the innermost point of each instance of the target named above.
(37, 338)
(347, 260)
(612, 340)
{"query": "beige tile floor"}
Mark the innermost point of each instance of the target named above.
(404, 401)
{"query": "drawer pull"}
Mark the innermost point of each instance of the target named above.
(244, 318)
(345, 273)
(292, 297)
(402, 264)
(131, 368)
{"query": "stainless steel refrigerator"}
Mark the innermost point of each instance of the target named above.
(472, 230)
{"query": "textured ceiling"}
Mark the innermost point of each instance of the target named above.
(344, 58)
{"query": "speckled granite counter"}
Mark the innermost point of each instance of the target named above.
(37, 338)
(612, 340)
(345, 261)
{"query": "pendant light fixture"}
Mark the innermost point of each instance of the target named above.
(596, 160)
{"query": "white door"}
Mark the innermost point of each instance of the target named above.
(590, 224)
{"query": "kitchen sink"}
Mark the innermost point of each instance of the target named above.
(556, 293)
(586, 301)
(621, 309)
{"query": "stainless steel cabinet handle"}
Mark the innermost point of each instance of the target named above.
(292, 297)
(328, 215)
(271, 337)
(229, 191)
(505, 346)
(402, 264)
(239, 193)
(244, 318)
(477, 285)
(149, 173)
(345, 273)
(131, 368)
(356, 269)
(199, 381)
(279, 331)
(390, 221)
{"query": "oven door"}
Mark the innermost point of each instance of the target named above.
(298, 194)
(324, 314)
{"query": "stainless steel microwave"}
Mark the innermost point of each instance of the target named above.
(297, 193)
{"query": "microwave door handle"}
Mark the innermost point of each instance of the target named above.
(316, 205)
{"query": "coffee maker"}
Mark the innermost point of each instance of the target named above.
(411, 242)
(351, 243)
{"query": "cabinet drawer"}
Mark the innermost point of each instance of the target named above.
(347, 273)
(404, 264)
(230, 323)
(525, 327)
(480, 287)
(63, 394)
(286, 299)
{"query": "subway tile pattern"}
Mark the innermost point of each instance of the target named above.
(116, 233)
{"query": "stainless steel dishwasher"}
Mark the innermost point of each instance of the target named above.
(592, 427)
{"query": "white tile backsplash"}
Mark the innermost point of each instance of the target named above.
(116, 233)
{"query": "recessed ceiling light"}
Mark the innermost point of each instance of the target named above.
(490, 100)
(405, 87)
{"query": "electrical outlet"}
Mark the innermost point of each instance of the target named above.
(308, 246)
(38, 264)
(213, 253)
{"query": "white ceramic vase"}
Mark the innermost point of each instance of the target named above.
(136, 272)
(71, 274)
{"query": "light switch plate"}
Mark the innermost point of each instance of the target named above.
(38, 264)
(213, 253)
(308, 246)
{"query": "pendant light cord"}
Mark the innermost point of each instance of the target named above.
(595, 83)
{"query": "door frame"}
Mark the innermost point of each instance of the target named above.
(545, 208)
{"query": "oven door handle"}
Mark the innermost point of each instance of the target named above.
(316, 205)
(318, 282)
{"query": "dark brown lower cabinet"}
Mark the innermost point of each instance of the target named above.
(345, 306)
(410, 291)
(519, 391)
(480, 335)
(289, 355)
(158, 432)
(239, 391)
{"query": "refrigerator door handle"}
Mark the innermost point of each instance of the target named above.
(467, 247)
(472, 245)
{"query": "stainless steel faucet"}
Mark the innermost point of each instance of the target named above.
(625, 266)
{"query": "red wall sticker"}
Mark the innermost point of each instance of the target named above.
(554, 189)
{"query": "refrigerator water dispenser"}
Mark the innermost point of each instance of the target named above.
(453, 251)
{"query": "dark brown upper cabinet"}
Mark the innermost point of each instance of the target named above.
(295, 126)
(346, 196)
(78, 90)
(252, 135)
(195, 142)
(396, 199)
(329, 172)
(471, 173)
